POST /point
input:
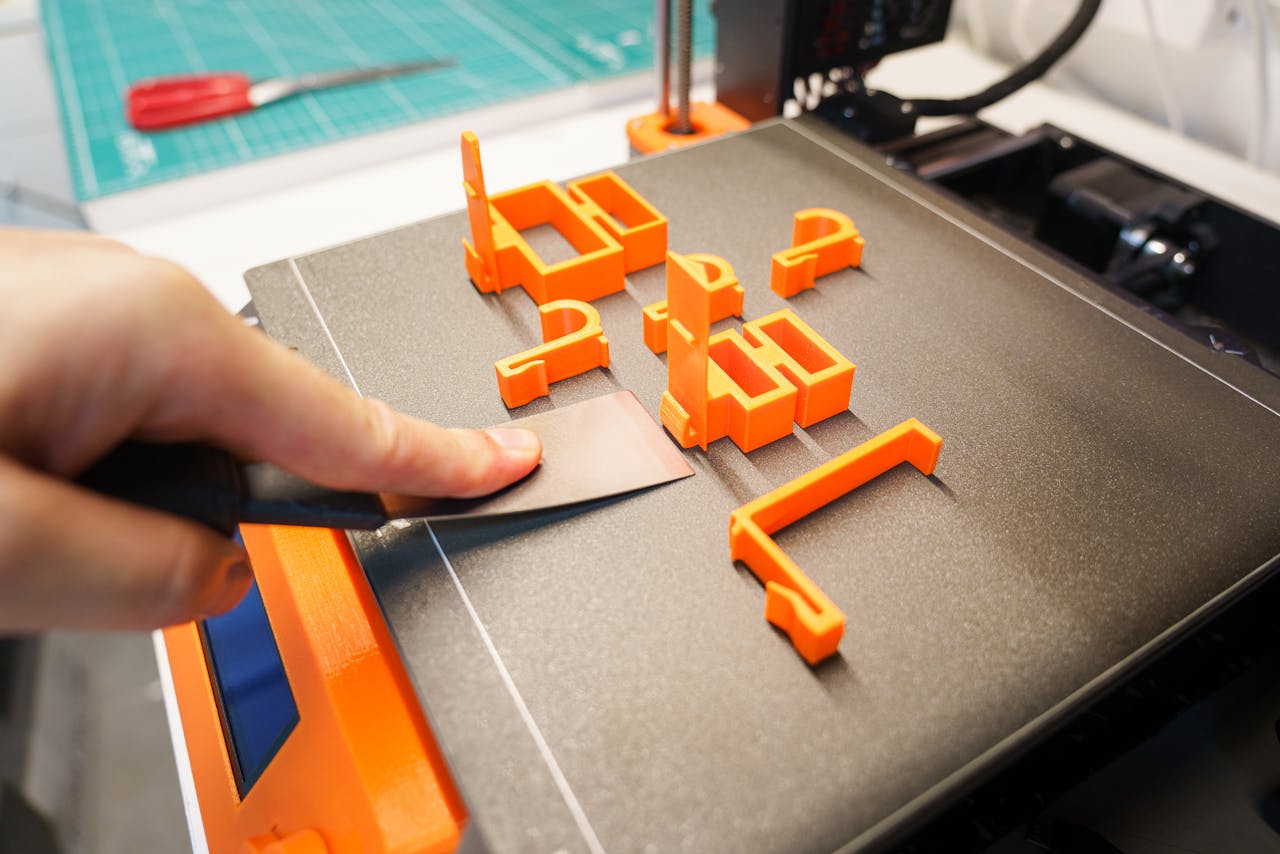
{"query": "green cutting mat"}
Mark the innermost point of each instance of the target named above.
(505, 49)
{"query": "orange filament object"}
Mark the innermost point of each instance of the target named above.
(823, 378)
(724, 292)
(748, 389)
(685, 404)
(360, 772)
(575, 344)
(650, 133)
(822, 241)
(792, 602)
(625, 215)
(613, 228)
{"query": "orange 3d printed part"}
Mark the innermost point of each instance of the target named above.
(792, 602)
(359, 771)
(652, 133)
(575, 344)
(822, 241)
(749, 386)
(724, 292)
(613, 228)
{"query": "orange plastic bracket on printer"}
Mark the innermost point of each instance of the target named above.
(822, 241)
(750, 391)
(612, 227)
(792, 601)
(575, 344)
(651, 133)
(724, 292)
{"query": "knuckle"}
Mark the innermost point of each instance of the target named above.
(479, 471)
(470, 470)
(386, 440)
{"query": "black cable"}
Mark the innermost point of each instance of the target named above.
(1032, 70)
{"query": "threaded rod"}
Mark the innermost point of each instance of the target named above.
(684, 57)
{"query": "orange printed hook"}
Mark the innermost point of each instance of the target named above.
(822, 241)
(724, 293)
(792, 602)
(575, 344)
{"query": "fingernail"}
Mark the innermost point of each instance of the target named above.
(513, 439)
(236, 583)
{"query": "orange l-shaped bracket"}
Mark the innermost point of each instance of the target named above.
(575, 344)
(792, 602)
(822, 241)
(724, 296)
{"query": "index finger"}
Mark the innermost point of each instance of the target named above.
(249, 392)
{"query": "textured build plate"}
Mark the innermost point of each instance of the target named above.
(505, 50)
(604, 679)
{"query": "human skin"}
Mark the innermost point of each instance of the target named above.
(99, 344)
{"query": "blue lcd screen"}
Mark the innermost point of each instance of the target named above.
(258, 710)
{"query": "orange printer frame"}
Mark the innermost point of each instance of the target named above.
(361, 771)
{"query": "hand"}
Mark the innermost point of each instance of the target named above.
(99, 344)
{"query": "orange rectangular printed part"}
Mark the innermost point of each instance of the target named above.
(626, 215)
(792, 601)
(822, 376)
(611, 226)
(361, 772)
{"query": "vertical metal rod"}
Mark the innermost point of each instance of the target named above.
(662, 54)
(684, 61)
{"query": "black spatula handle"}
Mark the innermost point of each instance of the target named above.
(197, 481)
(212, 487)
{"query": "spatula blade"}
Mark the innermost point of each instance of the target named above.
(596, 449)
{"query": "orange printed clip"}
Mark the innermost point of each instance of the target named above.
(575, 344)
(724, 292)
(749, 389)
(792, 601)
(822, 241)
(612, 227)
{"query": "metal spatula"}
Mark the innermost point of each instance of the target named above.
(591, 450)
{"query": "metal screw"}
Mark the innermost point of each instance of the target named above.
(684, 61)
(662, 54)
